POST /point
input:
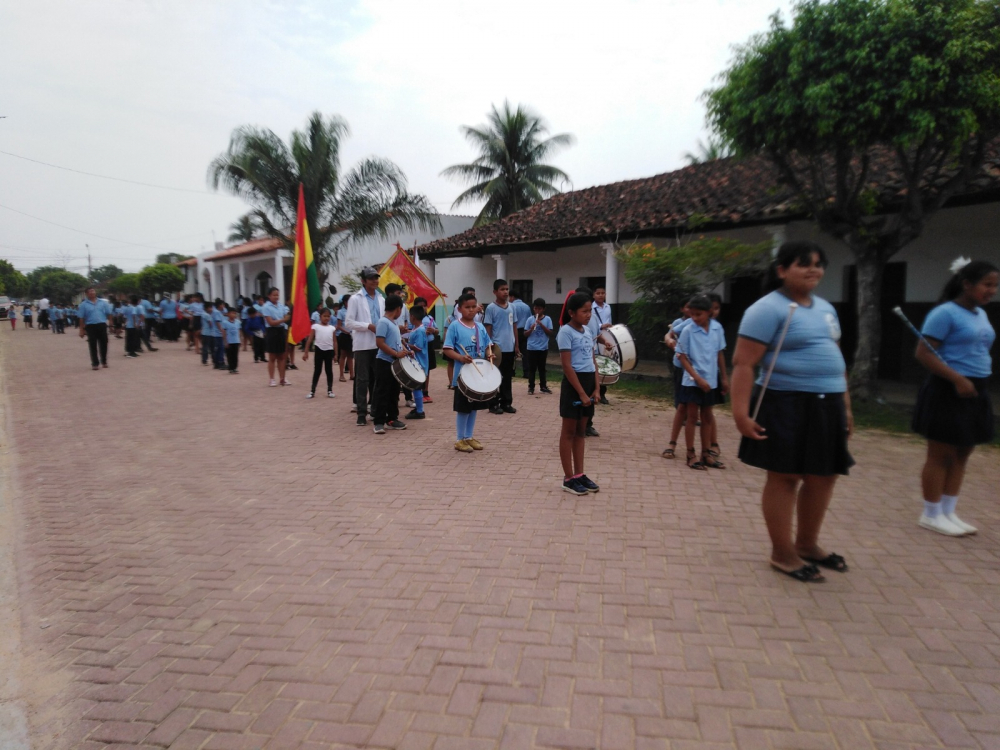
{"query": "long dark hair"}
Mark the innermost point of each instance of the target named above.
(973, 272)
(790, 253)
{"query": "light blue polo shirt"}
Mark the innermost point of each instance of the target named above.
(208, 324)
(502, 321)
(522, 311)
(538, 340)
(130, 314)
(95, 312)
(372, 301)
(678, 326)
(148, 311)
(702, 349)
(168, 309)
(275, 312)
(810, 359)
(388, 330)
(580, 345)
(231, 330)
(475, 340)
(966, 337)
(418, 338)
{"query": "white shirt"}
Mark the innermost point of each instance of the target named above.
(324, 336)
(359, 318)
(43, 304)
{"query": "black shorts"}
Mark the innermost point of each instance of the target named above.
(345, 343)
(568, 394)
(806, 434)
(692, 394)
(462, 405)
(276, 340)
(942, 415)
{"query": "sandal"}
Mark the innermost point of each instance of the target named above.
(714, 450)
(710, 461)
(343, 379)
(833, 561)
(697, 465)
(669, 452)
(806, 574)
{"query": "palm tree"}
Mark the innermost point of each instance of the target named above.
(715, 149)
(509, 174)
(243, 230)
(368, 201)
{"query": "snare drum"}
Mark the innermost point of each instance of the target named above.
(409, 373)
(608, 371)
(480, 384)
(622, 349)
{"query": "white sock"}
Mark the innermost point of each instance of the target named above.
(932, 510)
(948, 503)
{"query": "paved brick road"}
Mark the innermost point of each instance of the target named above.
(205, 562)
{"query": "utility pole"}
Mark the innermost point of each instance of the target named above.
(90, 270)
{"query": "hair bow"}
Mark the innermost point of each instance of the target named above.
(959, 263)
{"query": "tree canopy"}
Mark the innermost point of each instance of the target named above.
(127, 283)
(15, 284)
(34, 278)
(509, 174)
(60, 285)
(243, 230)
(342, 208)
(170, 258)
(160, 278)
(851, 84)
(103, 274)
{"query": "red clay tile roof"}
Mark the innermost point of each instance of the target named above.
(188, 262)
(723, 194)
(265, 245)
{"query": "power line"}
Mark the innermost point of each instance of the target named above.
(108, 177)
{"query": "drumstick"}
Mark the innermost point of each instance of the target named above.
(917, 333)
(473, 362)
(792, 307)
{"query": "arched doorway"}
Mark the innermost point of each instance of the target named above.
(262, 283)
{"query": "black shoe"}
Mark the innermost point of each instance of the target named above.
(574, 487)
(545, 389)
(362, 421)
(416, 415)
(508, 409)
(591, 432)
(588, 484)
(604, 400)
(153, 349)
(395, 424)
(531, 391)
(291, 367)
(496, 410)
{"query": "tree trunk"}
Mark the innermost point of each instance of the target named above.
(864, 374)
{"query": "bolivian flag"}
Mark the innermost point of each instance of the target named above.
(400, 269)
(306, 293)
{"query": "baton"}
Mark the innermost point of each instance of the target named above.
(792, 307)
(913, 329)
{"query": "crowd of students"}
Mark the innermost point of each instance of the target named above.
(798, 431)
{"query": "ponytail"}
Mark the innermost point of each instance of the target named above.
(972, 272)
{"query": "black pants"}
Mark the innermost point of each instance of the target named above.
(323, 358)
(233, 356)
(132, 339)
(364, 378)
(147, 326)
(60, 326)
(506, 396)
(259, 355)
(534, 361)
(385, 403)
(97, 341)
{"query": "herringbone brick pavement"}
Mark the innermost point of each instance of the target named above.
(205, 562)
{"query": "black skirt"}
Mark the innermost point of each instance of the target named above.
(943, 416)
(568, 394)
(692, 394)
(462, 405)
(806, 434)
(276, 340)
(345, 343)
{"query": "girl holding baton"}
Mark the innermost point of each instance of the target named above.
(802, 417)
(953, 408)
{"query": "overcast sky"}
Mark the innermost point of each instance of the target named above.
(151, 90)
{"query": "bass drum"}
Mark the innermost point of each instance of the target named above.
(608, 371)
(622, 349)
(479, 380)
(409, 373)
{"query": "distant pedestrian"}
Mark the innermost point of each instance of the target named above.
(578, 393)
(12, 317)
(231, 333)
(322, 336)
(132, 315)
(95, 317)
(255, 328)
(276, 316)
(27, 316)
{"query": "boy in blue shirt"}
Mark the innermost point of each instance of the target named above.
(210, 332)
(385, 401)
(537, 330)
(219, 355)
(419, 342)
(231, 332)
(701, 349)
(131, 313)
(501, 328)
(254, 327)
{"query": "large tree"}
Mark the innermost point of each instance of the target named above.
(34, 278)
(858, 92)
(14, 282)
(160, 278)
(342, 208)
(61, 285)
(242, 230)
(104, 274)
(509, 173)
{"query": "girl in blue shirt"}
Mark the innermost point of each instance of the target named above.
(800, 435)
(953, 409)
(276, 316)
(578, 392)
(465, 340)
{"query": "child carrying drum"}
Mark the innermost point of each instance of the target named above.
(578, 392)
(465, 340)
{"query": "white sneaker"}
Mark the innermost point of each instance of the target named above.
(310, 395)
(411, 405)
(966, 527)
(331, 394)
(941, 524)
(273, 384)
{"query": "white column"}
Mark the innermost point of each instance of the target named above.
(227, 283)
(610, 273)
(501, 266)
(217, 289)
(278, 279)
(245, 290)
(431, 269)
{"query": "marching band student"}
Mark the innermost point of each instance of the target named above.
(522, 314)
(456, 315)
(26, 314)
(537, 331)
(194, 314)
(147, 322)
(800, 436)
(601, 311)
(12, 317)
(499, 322)
(255, 328)
(702, 351)
(231, 331)
(385, 403)
(276, 316)
(322, 336)
(345, 343)
(678, 376)
(168, 314)
(403, 321)
(432, 341)
(95, 317)
(209, 332)
(218, 316)
(953, 409)
(466, 335)
(364, 310)
(420, 344)
(577, 393)
(132, 314)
